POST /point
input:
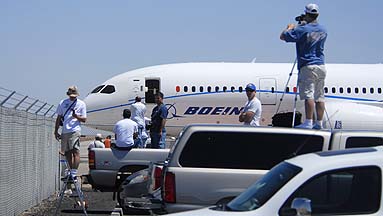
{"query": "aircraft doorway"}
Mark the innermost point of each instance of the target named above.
(267, 94)
(152, 87)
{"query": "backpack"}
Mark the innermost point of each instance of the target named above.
(286, 119)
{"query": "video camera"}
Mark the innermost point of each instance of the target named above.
(300, 18)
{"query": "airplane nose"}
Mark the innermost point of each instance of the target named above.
(90, 102)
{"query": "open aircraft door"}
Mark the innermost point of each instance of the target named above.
(266, 92)
(152, 86)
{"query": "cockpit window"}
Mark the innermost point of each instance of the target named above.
(109, 89)
(97, 89)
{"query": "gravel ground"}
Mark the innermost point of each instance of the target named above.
(100, 203)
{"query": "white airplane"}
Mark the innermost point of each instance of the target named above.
(214, 93)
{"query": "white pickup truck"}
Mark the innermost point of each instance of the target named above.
(212, 164)
(343, 182)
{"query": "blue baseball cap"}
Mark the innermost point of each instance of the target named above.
(250, 87)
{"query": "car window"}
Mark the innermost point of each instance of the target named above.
(357, 142)
(342, 192)
(261, 191)
(245, 150)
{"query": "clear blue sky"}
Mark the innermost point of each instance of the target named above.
(45, 46)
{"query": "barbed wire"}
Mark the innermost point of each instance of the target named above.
(15, 100)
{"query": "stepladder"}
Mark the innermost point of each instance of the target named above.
(71, 189)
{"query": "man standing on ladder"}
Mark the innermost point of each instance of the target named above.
(309, 37)
(70, 113)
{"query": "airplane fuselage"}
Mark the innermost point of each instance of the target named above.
(214, 93)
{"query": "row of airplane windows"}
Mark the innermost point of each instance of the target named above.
(327, 90)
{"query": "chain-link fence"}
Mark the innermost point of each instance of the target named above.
(29, 161)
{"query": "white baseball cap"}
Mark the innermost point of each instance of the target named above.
(312, 9)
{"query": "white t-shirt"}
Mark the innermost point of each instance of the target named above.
(124, 129)
(71, 124)
(138, 113)
(254, 106)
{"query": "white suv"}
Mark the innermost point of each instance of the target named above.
(344, 182)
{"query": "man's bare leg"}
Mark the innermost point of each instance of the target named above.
(69, 158)
(309, 109)
(76, 159)
(319, 106)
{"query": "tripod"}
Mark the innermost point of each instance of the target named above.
(295, 93)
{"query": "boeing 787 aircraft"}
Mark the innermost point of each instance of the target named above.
(214, 93)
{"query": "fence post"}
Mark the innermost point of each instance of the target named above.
(48, 110)
(40, 108)
(31, 105)
(6, 99)
(18, 104)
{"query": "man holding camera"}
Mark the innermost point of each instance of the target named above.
(309, 37)
(70, 113)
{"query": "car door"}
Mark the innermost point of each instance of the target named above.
(348, 191)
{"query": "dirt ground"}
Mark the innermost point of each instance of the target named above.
(99, 204)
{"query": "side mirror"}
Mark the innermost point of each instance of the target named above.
(302, 206)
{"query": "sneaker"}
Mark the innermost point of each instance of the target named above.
(68, 192)
(317, 127)
(83, 202)
(304, 126)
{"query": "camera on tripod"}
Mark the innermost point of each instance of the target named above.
(300, 18)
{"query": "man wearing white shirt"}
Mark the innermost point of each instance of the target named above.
(125, 131)
(70, 112)
(138, 115)
(253, 108)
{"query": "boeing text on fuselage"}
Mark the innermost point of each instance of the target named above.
(207, 110)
